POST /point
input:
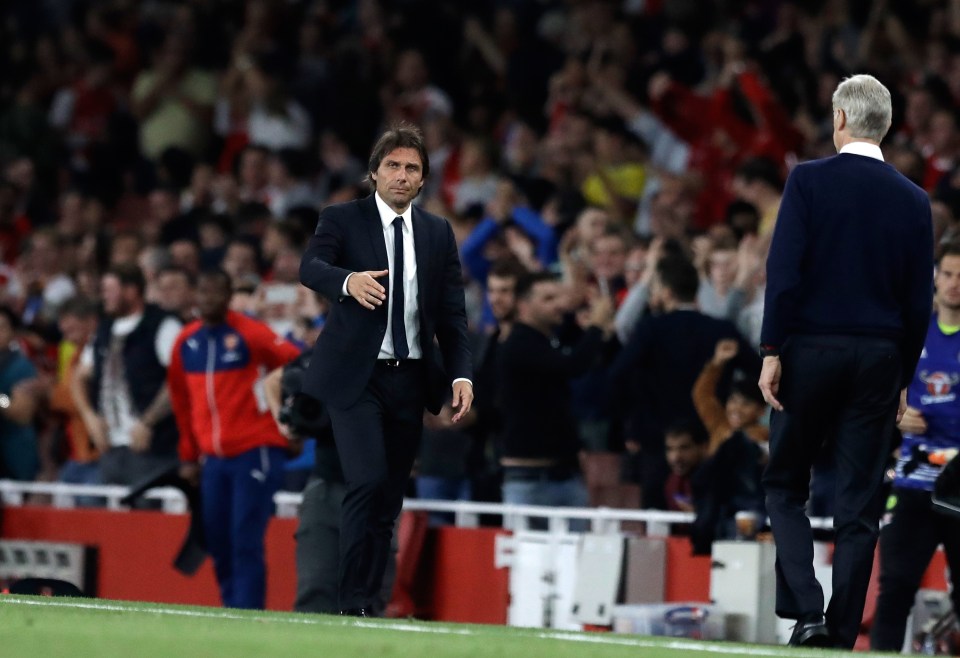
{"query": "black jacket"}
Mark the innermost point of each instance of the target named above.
(534, 386)
(349, 238)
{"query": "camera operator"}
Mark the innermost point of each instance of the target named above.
(318, 536)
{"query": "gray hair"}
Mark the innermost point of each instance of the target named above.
(866, 104)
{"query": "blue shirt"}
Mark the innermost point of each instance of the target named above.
(934, 392)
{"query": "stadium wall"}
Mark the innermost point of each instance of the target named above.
(456, 579)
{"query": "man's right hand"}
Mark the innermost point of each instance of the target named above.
(912, 422)
(190, 471)
(363, 287)
(96, 426)
(726, 349)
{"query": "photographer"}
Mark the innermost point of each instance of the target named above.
(318, 535)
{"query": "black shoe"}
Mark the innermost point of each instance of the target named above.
(354, 612)
(811, 633)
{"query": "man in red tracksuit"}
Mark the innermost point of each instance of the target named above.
(228, 438)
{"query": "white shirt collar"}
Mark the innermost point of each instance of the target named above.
(388, 214)
(863, 148)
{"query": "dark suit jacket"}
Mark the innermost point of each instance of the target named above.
(852, 255)
(349, 238)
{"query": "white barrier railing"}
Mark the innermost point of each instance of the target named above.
(466, 513)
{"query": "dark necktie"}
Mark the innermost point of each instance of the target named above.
(400, 347)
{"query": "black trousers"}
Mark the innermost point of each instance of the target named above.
(907, 544)
(377, 440)
(318, 551)
(841, 392)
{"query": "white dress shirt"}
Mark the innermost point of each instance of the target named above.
(411, 318)
(410, 286)
(863, 148)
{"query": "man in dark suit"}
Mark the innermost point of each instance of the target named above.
(658, 366)
(375, 366)
(849, 289)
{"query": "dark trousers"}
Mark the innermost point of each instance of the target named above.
(377, 440)
(318, 551)
(839, 391)
(121, 465)
(907, 544)
(237, 498)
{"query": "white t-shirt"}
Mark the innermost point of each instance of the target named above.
(116, 404)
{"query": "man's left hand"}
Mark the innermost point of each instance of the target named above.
(462, 399)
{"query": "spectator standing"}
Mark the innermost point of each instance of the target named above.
(228, 438)
(120, 385)
(78, 323)
(719, 297)
(276, 121)
(501, 297)
(174, 102)
(758, 182)
(541, 444)
(19, 399)
(176, 292)
(657, 368)
(44, 276)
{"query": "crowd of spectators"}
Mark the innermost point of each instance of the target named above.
(620, 145)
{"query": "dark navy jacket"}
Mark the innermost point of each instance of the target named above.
(852, 254)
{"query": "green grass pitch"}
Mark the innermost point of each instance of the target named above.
(52, 627)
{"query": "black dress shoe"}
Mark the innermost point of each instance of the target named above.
(354, 612)
(811, 633)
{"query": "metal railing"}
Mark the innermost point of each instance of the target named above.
(466, 514)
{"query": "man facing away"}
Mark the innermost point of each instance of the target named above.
(375, 366)
(849, 289)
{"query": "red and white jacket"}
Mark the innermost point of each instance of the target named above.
(216, 386)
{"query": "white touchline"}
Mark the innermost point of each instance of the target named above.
(410, 627)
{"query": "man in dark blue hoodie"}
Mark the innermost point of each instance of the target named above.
(849, 289)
